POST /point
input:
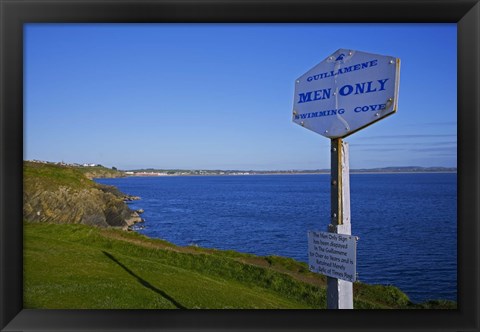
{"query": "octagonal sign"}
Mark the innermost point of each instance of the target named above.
(346, 92)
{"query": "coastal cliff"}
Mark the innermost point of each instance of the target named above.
(68, 265)
(63, 194)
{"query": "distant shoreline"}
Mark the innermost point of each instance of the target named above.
(93, 170)
(312, 173)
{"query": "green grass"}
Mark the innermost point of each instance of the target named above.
(51, 177)
(99, 171)
(77, 267)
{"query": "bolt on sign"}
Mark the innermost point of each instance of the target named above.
(346, 92)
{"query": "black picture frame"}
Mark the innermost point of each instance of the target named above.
(15, 13)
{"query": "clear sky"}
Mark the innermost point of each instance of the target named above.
(220, 96)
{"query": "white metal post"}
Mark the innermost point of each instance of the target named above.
(340, 292)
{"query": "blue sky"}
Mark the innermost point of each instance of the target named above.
(220, 96)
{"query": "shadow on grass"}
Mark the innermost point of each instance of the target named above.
(145, 283)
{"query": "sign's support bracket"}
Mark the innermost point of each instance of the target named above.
(340, 292)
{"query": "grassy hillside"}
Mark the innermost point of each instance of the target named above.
(100, 172)
(52, 177)
(78, 266)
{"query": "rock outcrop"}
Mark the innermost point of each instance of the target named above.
(63, 195)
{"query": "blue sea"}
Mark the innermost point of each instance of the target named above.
(407, 223)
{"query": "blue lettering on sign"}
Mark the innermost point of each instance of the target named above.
(340, 71)
(319, 114)
(364, 87)
(346, 90)
(317, 95)
(367, 108)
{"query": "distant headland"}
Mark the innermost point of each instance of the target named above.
(93, 170)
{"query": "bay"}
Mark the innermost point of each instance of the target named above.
(407, 223)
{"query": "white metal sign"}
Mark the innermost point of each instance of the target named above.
(346, 92)
(334, 255)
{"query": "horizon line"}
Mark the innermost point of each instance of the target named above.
(233, 169)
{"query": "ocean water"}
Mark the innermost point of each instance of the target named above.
(407, 223)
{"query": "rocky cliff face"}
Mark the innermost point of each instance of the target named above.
(64, 195)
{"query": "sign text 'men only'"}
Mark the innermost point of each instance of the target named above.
(346, 92)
